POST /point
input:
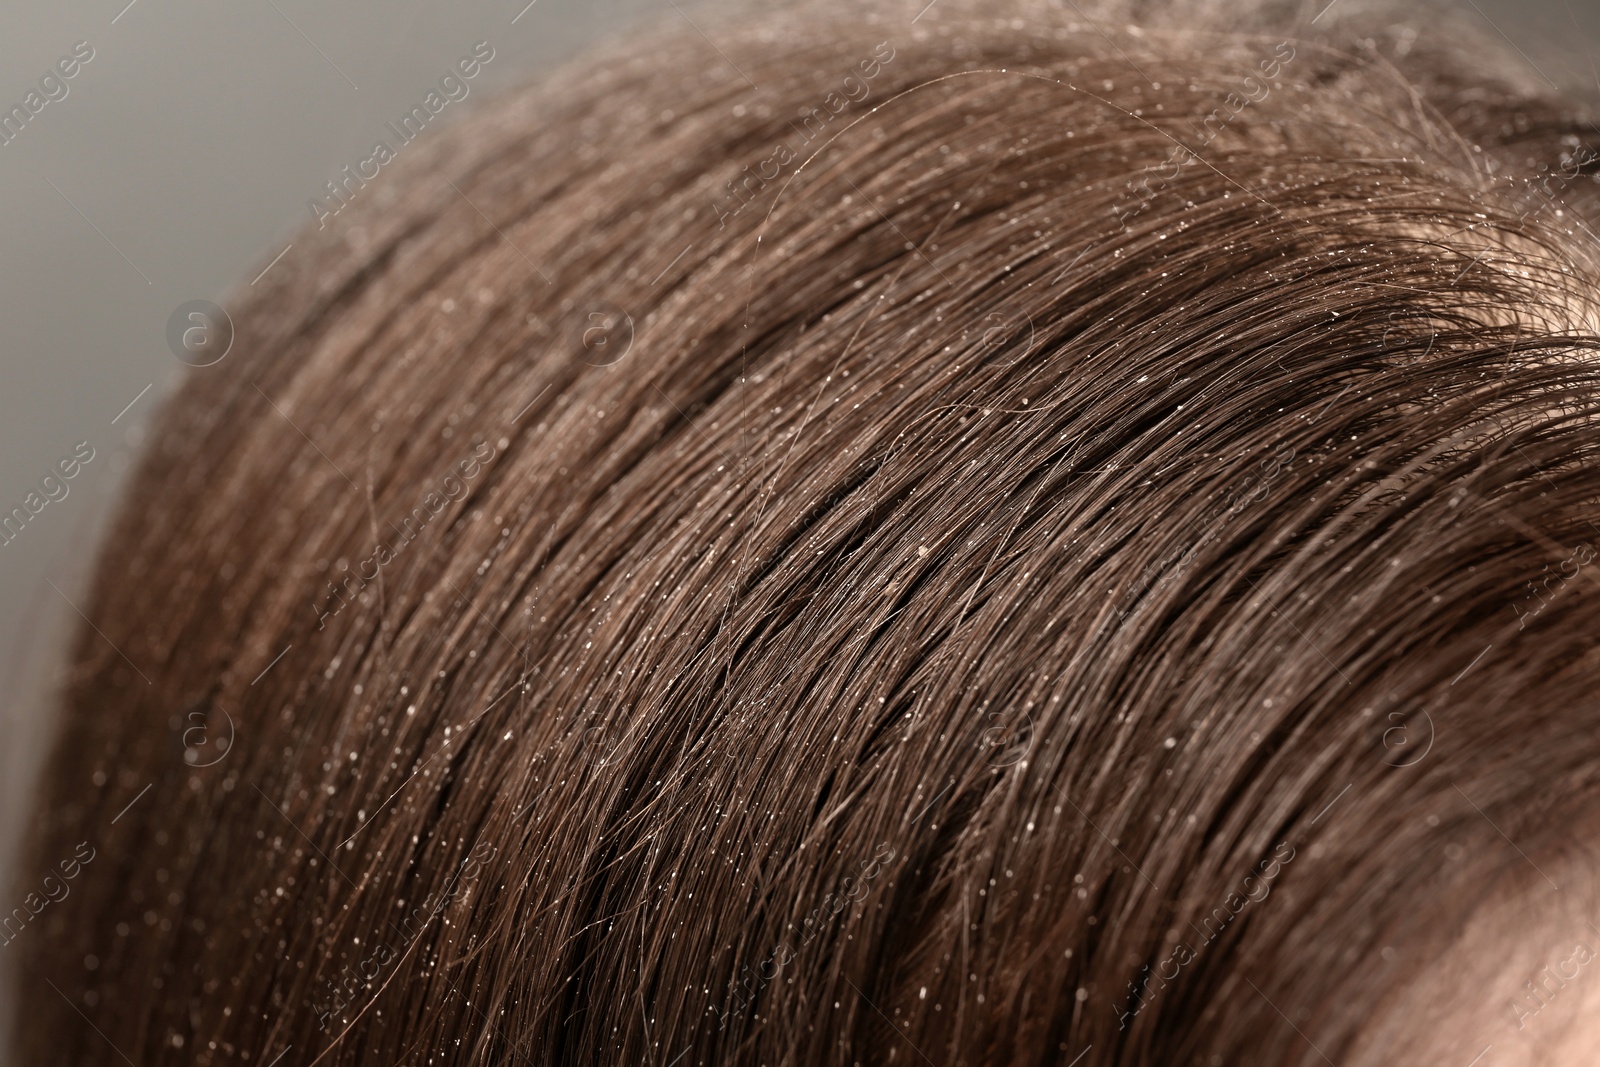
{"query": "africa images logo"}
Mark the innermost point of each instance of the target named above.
(452, 87)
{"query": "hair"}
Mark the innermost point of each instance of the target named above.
(988, 538)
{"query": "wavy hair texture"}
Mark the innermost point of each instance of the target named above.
(935, 613)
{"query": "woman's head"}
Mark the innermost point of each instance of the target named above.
(955, 539)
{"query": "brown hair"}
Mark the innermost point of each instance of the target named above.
(989, 540)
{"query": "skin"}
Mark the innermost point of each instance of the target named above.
(1460, 1010)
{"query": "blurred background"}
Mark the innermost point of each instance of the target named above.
(178, 166)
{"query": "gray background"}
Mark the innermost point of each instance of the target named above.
(191, 143)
